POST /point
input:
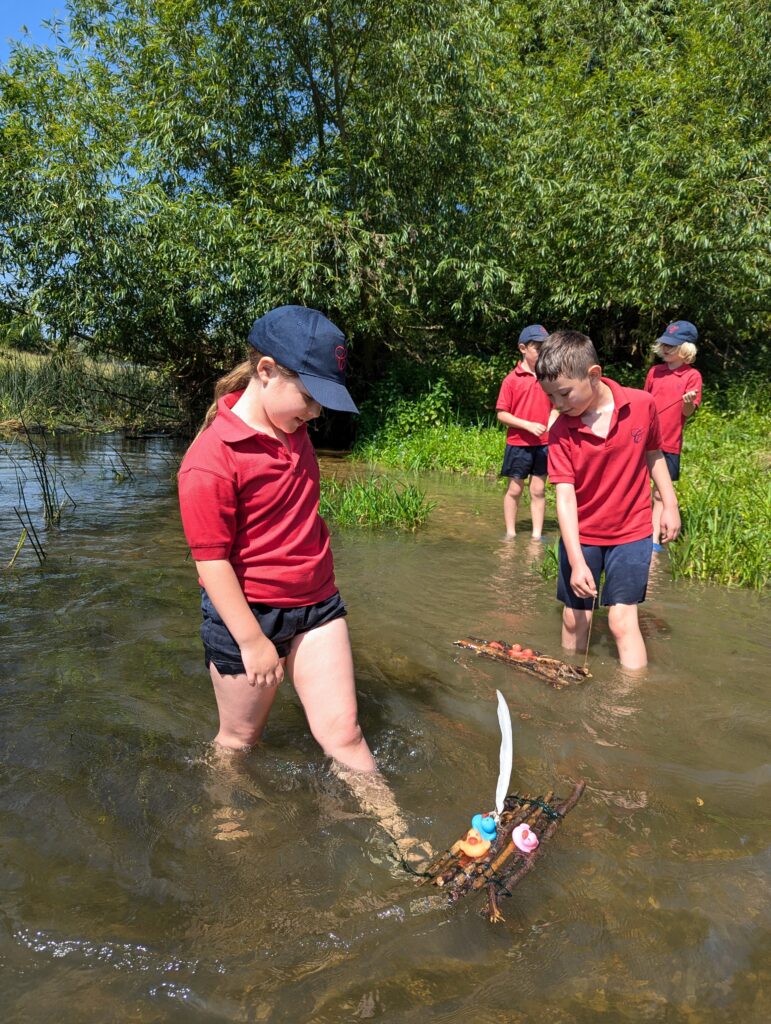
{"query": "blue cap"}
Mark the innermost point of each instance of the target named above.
(303, 340)
(534, 332)
(678, 332)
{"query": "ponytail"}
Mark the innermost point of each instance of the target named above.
(237, 380)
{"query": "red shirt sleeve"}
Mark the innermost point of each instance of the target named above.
(207, 502)
(561, 470)
(504, 396)
(653, 442)
(648, 386)
(694, 383)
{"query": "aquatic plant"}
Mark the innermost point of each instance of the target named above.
(375, 502)
(67, 388)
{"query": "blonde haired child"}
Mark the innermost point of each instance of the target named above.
(249, 497)
(676, 389)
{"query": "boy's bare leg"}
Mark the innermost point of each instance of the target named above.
(575, 628)
(511, 504)
(537, 504)
(658, 508)
(625, 626)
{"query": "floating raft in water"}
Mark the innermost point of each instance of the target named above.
(556, 673)
(504, 866)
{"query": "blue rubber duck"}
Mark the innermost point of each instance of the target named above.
(485, 826)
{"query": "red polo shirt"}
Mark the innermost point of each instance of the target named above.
(610, 474)
(668, 387)
(245, 498)
(523, 397)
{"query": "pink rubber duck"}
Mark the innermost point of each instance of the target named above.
(524, 838)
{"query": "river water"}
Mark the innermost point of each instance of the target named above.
(141, 882)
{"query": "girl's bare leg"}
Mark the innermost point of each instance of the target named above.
(537, 504)
(321, 667)
(243, 709)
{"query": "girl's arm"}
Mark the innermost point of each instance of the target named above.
(581, 579)
(261, 661)
(670, 515)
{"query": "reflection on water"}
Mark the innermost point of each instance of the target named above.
(141, 882)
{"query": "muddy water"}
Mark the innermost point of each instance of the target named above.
(140, 882)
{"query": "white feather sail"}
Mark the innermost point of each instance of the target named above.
(507, 753)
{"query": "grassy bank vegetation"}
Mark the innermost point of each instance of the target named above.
(66, 389)
(724, 489)
(375, 502)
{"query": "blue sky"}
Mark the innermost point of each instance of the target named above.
(15, 13)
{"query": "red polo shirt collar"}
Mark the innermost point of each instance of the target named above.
(231, 428)
(620, 401)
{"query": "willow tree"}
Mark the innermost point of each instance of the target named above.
(425, 172)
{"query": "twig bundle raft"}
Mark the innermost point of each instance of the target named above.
(556, 673)
(503, 866)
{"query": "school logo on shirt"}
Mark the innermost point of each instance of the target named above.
(341, 355)
(637, 435)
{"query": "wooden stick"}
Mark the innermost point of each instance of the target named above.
(529, 861)
(589, 634)
(509, 850)
(457, 869)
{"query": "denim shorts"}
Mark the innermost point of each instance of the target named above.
(522, 462)
(672, 460)
(626, 568)
(280, 626)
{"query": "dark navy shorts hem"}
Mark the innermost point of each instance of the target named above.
(524, 461)
(672, 460)
(626, 568)
(280, 626)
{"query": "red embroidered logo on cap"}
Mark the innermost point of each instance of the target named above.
(341, 354)
(672, 329)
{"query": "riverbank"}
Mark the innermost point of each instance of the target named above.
(724, 488)
(69, 391)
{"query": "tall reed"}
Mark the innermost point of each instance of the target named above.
(375, 502)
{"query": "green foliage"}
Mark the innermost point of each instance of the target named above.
(65, 388)
(724, 492)
(429, 173)
(374, 502)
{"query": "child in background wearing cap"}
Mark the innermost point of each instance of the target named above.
(602, 450)
(249, 498)
(676, 389)
(526, 411)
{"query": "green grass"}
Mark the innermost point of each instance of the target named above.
(66, 389)
(374, 502)
(724, 491)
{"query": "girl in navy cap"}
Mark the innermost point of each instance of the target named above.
(676, 389)
(249, 496)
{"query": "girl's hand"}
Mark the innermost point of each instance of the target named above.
(262, 663)
(688, 398)
(582, 582)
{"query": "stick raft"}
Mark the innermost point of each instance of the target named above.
(504, 866)
(556, 673)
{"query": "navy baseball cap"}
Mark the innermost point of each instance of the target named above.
(303, 340)
(678, 332)
(534, 332)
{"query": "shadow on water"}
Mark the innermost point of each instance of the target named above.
(140, 881)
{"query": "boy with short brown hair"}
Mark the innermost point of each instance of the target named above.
(602, 450)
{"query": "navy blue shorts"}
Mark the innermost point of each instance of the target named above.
(672, 460)
(626, 569)
(522, 462)
(280, 626)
